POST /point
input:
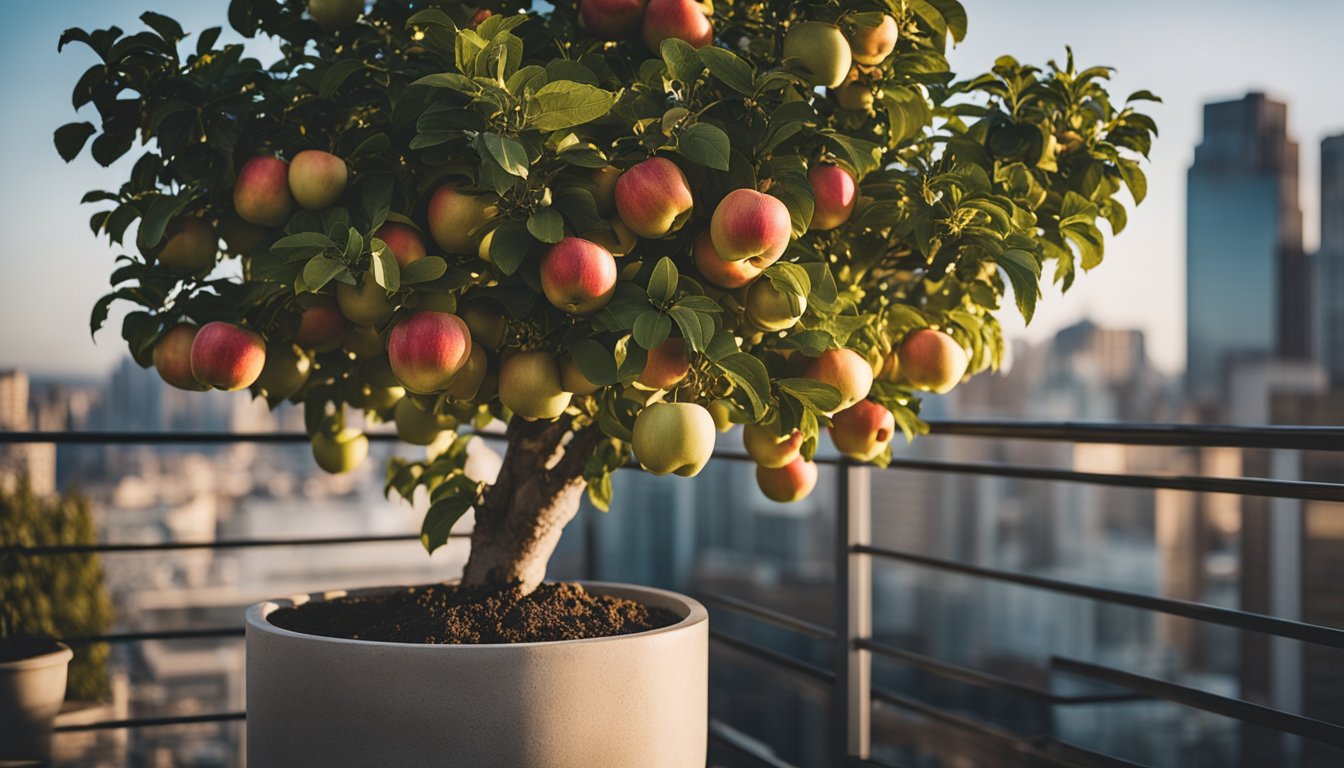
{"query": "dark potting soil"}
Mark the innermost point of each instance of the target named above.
(447, 613)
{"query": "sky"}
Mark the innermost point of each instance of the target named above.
(52, 269)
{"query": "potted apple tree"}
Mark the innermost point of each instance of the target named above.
(617, 227)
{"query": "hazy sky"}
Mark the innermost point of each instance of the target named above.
(52, 270)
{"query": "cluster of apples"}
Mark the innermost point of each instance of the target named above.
(653, 21)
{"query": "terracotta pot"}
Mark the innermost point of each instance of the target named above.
(618, 702)
(31, 691)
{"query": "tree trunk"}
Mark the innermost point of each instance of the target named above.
(521, 517)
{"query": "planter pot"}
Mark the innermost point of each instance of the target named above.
(31, 691)
(617, 702)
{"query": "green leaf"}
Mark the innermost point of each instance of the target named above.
(382, 266)
(595, 361)
(705, 144)
(663, 281)
(1024, 272)
(547, 225)
(1134, 179)
(565, 104)
(750, 376)
(337, 74)
(815, 394)
(510, 243)
(731, 70)
(319, 271)
(652, 328)
(683, 61)
(442, 516)
(71, 137)
(510, 155)
(789, 278)
(688, 321)
(423, 270)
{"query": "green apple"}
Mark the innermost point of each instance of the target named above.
(341, 452)
(417, 424)
(771, 309)
(530, 386)
(366, 303)
(821, 51)
(676, 438)
(286, 371)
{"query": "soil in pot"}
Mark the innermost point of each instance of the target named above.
(448, 614)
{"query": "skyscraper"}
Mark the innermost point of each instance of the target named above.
(1247, 276)
(1330, 260)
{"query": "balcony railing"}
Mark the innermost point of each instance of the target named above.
(850, 671)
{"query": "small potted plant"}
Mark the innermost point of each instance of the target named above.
(617, 227)
(32, 688)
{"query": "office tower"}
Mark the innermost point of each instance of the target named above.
(1330, 261)
(1247, 276)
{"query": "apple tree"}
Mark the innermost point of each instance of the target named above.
(617, 226)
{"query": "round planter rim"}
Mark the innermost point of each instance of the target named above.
(256, 619)
(61, 655)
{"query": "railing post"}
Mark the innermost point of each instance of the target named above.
(852, 705)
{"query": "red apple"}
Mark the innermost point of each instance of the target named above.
(322, 325)
(578, 276)
(317, 178)
(844, 369)
(454, 217)
(751, 225)
(611, 19)
(717, 270)
(427, 349)
(261, 193)
(478, 18)
(403, 240)
(835, 192)
(189, 246)
(769, 449)
(932, 360)
(172, 357)
(862, 430)
(227, 356)
(872, 45)
(653, 198)
(683, 19)
(791, 482)
(666, 365)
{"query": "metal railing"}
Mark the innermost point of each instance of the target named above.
(856, 555)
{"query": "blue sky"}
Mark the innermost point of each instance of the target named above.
(1189, 51)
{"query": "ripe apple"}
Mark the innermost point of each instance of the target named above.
(604, 185)
(454, 216)
(932, 360)
(172, 357)
(769, 449)
(654, 198)
(619, 241)
(821, 50)
(771, 309)
(241, 238)
(751, 225)
(418, 425)
(675, 438)
(189, 246)
(366, 303)
(261, 193)
(341, 452)
(844, 369)
(316, 178)
(467, 381)
(322, 325)
(227, 356)
(721, 415)
(572, 378)
(872, 45)
(791, 482)
(485, 318)
(611, 19)
(530, 386)
(683, 19)
(835, 192)
(666, 365)
(578, 276)
(862, 430)
(717, 270)
(286, 371)
(427, 349)
(403, 240)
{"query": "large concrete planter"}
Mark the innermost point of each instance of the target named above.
(612, 702)
(31, 692)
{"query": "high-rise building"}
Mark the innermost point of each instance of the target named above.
(1330, 261)
(1247, 275)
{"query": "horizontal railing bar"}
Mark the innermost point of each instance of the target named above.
(985, 679)
(172, 438)
(147, 722)
(1239, 709)
(733, 739)
(84, 549)
(774, 657)
(1173, 435)
(167, 634)
(1254, 622)
(769, 616)
(1281, 489)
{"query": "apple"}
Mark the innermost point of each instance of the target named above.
(317, 179)
(721, 414)
(821, 50)
(172, 357)
(771, 309)
(341, 452)
(366, 303)
(322, 325)
(261, 193)
(854, 93)
(189, 246)
(485, 318)
(932, 360)
(872, 45)
(427, 349)
(654, 198)
(844, 369)
(791, 482)
(718, 271)
(240, 237)
(769, 449)
(286, 371)
(478, 18)
(572, 378)
(751, 225)
(467, 381)
(364, 342)
(619, 241)
(417, 425)
(454, 217)
(227, 356)
(862, 430)
(403, 240)
(611, 19)
(666, 365)
(683, 19)
(834, 191)
(890, 370)
(530, 386)
(375, 398)
(676, 438)
(604, 188)
(578, 276)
